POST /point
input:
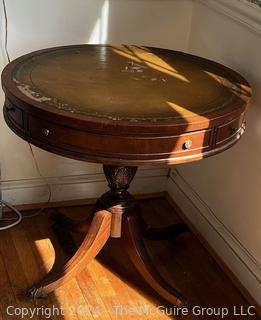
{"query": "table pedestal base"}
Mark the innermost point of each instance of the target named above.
(116, 214)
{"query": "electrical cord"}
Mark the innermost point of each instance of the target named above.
(19, 216)
(2, 202)
(6, 31)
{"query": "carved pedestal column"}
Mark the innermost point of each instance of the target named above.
(117, 200)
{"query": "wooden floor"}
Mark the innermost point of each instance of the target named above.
(109, 288)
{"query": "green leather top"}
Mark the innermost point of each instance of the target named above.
(127, 82)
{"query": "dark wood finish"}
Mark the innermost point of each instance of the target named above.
(166, 233)
(133, 234)
(123, 106)
(79, 102)
(124, 213)
(63, 222)
(134, 229)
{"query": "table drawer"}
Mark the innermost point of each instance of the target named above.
(123, 146)
(49, 132)
(228, 130)
(192, 141)
(14, 114)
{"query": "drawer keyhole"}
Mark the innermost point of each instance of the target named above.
(234, 129)
(187, 144)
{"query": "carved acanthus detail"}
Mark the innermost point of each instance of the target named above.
(119, 178)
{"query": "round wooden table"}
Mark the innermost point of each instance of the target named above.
(122, 106)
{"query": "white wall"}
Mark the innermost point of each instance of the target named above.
(225, 190)
(38, 24)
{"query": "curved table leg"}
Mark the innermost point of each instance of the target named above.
(94, 241)
(132, 235)
(116, 215)
(64, 222)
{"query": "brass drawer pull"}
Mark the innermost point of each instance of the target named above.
(187, 144)
(45, 132)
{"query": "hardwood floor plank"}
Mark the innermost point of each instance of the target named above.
(7, 297)
(104, 287)
(92, 296)
(129, 307)
(110, 281)
(38, 235)
(14, 270)
(25, 253)
(74, 304)
(121, 267)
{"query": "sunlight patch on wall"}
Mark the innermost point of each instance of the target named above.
(100, 31)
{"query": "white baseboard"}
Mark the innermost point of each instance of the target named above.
(237, 258)
(74, 187)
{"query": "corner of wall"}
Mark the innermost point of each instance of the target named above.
(237, 259)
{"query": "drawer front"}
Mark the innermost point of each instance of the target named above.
(14, 114)
(116, 146)
(192, 142)
(227, 131)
